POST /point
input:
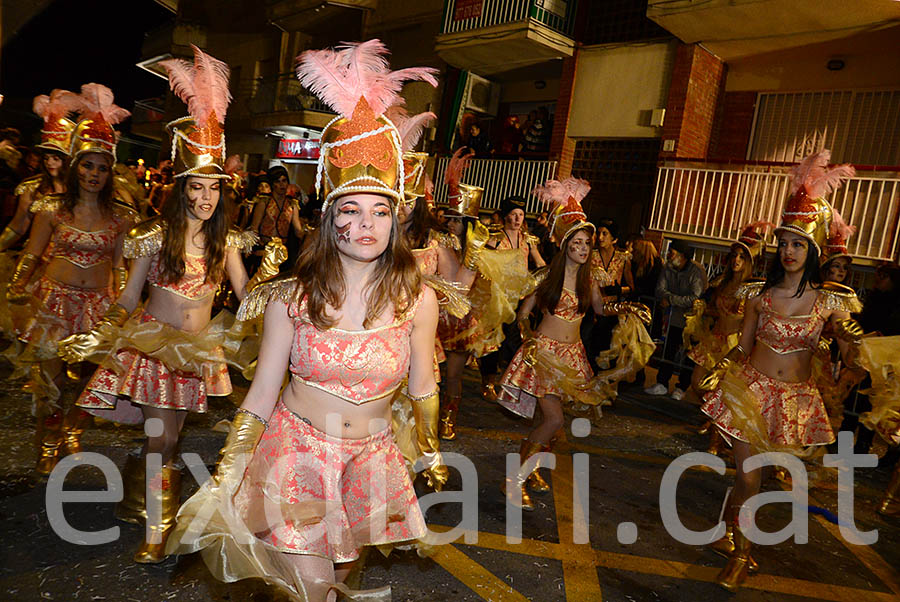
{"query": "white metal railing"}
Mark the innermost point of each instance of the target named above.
(715, 203)
(559, 16)
(500, 178)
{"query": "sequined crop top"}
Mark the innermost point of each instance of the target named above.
(193, 285)
(789, 334)
(81, 248)
(567, 308)
(355, 365)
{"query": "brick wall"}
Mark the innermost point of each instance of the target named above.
(697, 83)
(562, 148)
(734, 120)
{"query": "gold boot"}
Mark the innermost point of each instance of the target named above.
(716, 443)
(169, 488)
(535, 481)
(132, 508)
(448, 418)
(724, 546)
(735, 571)
(489, 389)
(74, 424)
(705, 428)
(51, 439)
(890, 505)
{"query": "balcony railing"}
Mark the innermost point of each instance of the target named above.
(500, 178)
(283, 93)
(714, 202)
(558, 15)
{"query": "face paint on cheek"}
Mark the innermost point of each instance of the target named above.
(343, 233)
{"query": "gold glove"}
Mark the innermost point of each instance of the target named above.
(24, 269)
(120, 279)
(8, 238)
(77, 347)
(425, 411)
(711, 381)
(628, 307)
(246, 430)
(848, 330)
(698, 308)
(274, 255)
(477, 236)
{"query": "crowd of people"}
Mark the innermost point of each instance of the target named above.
(349, 300)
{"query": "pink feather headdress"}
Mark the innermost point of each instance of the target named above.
(94, 133)
(412, 127)
(97, 101)
(202, 85)
(459, 162)
(813, 174)
(56, 135)
(563, 199)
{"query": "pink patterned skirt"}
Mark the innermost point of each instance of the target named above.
(305, 492)
(62, 310)
(522, 385)
(148, 381)
(794, 412)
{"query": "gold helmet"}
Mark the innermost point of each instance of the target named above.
(94, 132)
(462, 199)
(56, 135)
(752, 240)
(566, 214)
(807, 213)
(836, 243)
(198, 140)
(360, 149)
(414, 176)
(411, 128)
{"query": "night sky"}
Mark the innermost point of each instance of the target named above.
(74, 42)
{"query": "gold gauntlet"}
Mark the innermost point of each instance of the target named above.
(77, 347)
(120, 278)
(848, 330)
(8, 238)
(711, 381)
(274, 255)
(246, 430)
(628, 307)
(477, 236)
(24, 269)
(425, 411)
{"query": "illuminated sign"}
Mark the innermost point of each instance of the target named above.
(467, 9)
(297, 148)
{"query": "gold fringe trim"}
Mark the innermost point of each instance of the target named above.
(446, 240)
(749, 289)
(29, 185)
(254, 304)
(145, 239)
(840, 298)
(50, 202)
(242, 240)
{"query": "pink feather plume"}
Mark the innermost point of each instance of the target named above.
(455, 168)
(59, 104)
(341, 76)
(202, 85)
(839, 227)
(813, 174)
(554, 192)
(97, 99)
(410, 128)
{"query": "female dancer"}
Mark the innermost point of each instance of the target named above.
(325, 477)
(168, 358)
(84, 230)
(551, 366)
(726, 310)
(763, 399)
(56, 141)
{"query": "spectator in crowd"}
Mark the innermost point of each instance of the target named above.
(479, 141)
(646, 266)
(496, 219)
(537, 136)
(681, 282)
(511, 136)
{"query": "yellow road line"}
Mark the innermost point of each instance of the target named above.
(474, 576)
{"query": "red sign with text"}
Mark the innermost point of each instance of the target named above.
(298, 148)
(467, 9)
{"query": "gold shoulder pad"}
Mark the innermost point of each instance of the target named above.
(145, 239)
(255, 302)
(750, 289)
(28, 185)
(50, 202)
(531, 239)
(446, 240)
(841, 298)
(125, 212)
(242, 240)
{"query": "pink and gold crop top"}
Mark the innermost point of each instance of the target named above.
(567, 307)
(193, 285)
(82, 248)
(355, 365)
(789, 334)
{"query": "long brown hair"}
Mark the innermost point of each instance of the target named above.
(175, 215)
(550, 290)
(70, 197)
(730, 278)
(421, 222)
(46, 185)
(320, 275)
